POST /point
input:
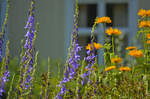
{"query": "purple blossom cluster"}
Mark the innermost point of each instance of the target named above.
(3, 80)
(91, 61)
(29, 54)
(1, 44)
(72, 63)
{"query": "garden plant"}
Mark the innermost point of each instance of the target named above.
(82, 78)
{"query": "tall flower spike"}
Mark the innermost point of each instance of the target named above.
(91, 57)
(27, 62)
(4, 71)
(3, 32)
(73, 57)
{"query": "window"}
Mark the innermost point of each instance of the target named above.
(122, 12)
(118, 13)
(87, 14)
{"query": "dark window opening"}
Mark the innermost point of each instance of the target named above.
(118, 14)
(87, 14)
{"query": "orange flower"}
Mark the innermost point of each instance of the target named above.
(96, 45)
(110, 68)
(86, 69)
(136, 53)
(116, 60)
(116, 31)
(131, 48)
(111, 31)
(148, 12)
(148, 42)
(89, 47)
(148, 23)
(148, 35)
(142, 13)
(124, 68)
(103, 20)
(142, 24)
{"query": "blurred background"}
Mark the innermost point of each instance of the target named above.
(56, 23)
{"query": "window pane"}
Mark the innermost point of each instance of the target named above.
(118, 14)
(87, 14)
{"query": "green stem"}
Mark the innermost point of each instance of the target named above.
(113, 45)
(10, 89)
(104, 26)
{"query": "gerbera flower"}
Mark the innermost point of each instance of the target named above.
(142, 13)
(124, 68)
(142, 24)
(96, 45)
(111, 31)
(116, 60)
(148, 12)
(103, 20)
(110, 68)
(131, 48)
(116, 31)
(148, 36)
(148, 42)
(136, 53)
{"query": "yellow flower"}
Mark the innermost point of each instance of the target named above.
(89, 47)
(142, 13)
(116, 31)
(111, 31)
(148, 12)
(124, 68)
(86, 69)
(116, 60)
(110, 68)
(148, 23)
(148, 36)
(96, 45)
(131, 48)
(103, 20)
(136, 53)
(142, 24)
(148, 42)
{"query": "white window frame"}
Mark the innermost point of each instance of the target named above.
(101, 5)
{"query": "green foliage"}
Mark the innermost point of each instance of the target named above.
(104, 82)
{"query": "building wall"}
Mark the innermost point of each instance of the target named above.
(50, 14)
(144, 4)
(54, 20)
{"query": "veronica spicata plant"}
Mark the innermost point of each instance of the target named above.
(4, 74)
(28, 57)
(72, 62)
(3, 32)
(4, 71)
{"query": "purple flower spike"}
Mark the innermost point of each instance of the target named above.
(25, 81)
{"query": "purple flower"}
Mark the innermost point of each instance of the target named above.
(91, 61)
(25, 80)
(1, 44)
(3, 80)
(107, 84)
